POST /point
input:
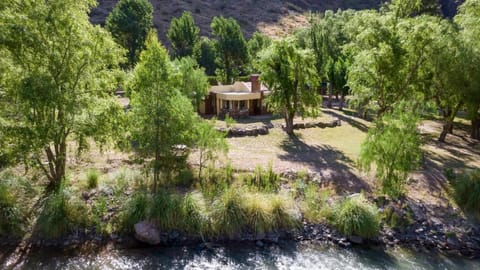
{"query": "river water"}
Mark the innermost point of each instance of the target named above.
(284, 256)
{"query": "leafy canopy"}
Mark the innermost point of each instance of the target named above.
(161, 117)
(129, 22)
(291, 76)
(183, 34)
(393, 145)
(231, 47)
(60, 80)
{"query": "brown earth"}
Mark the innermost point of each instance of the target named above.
(274, 18)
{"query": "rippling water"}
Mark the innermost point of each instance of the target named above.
(285, 256)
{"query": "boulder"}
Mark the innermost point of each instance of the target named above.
(356, 239)
(147, 232)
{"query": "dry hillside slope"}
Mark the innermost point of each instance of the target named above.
(273, 17)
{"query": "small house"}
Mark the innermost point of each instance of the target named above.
(240, 99)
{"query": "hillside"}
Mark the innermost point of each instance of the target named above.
(272, 17)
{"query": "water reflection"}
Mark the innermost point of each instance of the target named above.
(285, 256)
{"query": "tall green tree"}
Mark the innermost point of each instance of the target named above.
(256, 44)
(205, 54)
(328, 36)
(388, 54)
(129, 22)
(290, 74)
(61, 79)
(231, 47)
(192, 81)
(183, 35)
(443, 72)
(161, 117)
(394, 156)
(468, 19)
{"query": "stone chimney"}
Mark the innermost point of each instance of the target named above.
(256, 84)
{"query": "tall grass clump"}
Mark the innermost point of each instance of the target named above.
(15, 195)
(165, 210)
(195, 215)
(282, 212)
(314, 205)
(228, 213)
(466, 190)
(12, 218)
(258, 212)
(92, 179)
(264, 180)
(356, 216)
(134, 211)
(62, 214)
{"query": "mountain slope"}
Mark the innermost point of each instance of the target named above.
(272, 17)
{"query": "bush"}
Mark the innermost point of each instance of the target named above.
(92, 179)
(228, 213)
(134, 211)
(355, 216)
(165, 211)
(314, 206)
(62, 214)
(466, 190)
(195, 216)
(259, 213)
(16, 194)
(12, 218)
(281, 207)
(264, 180)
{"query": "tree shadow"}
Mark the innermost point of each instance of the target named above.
(332, 165)
(348, 119)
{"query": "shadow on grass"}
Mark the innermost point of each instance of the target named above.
(331, 164)
(350, 120)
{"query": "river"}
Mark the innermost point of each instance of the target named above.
(283, 256)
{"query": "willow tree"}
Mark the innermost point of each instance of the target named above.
(289, 72)
(161, 117)
(468, 19)
(394, 156)
(60, 82)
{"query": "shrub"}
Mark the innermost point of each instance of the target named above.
(92, 179)
(314, 205)
(62, 214)
(259, 213)
(394, 156)
(12, 218)
(99, 209)
(134, 211)
(228, 213)
(194, 212)
(281, 207)
(355, 216)
(466, 190)
(165, 210)
(264, 180)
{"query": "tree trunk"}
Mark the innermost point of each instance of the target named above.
(330, 95)
(156, 171)
(342, 100)
(446, 128)
(289, 123)
(475, 128)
